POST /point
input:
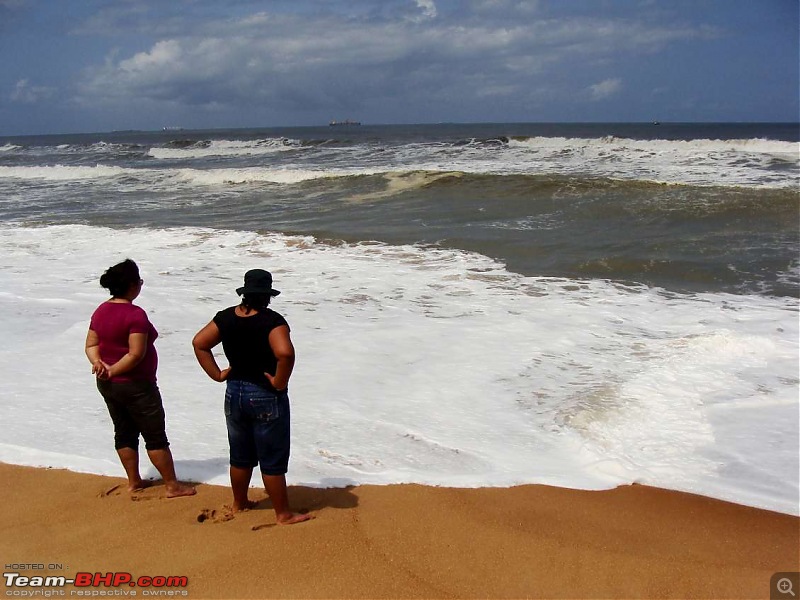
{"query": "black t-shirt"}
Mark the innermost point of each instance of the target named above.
(245, 341)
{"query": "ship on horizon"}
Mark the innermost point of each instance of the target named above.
(345, 122)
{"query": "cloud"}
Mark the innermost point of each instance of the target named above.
(605, 89)
(331, 60)
(26, 93)
(428, 8)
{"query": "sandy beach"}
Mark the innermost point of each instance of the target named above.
(399, 541)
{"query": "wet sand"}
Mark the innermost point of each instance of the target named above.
(399, 541)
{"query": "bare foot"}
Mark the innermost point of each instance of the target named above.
(176, 490)
(139, 486)
(248, 504)
(292, 518)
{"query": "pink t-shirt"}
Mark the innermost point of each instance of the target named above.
(113, 322)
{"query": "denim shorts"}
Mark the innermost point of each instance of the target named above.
(258, 427)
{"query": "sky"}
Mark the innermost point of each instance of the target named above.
(70, 66)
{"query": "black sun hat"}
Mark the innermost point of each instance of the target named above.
(257, 281)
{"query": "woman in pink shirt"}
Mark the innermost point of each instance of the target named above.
(124, 360)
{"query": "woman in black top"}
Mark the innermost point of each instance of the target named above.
(260, 353)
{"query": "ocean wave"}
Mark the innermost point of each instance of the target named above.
(397, 180)
(481, 142)
(757, 145)
(185, 149)
(400, 182)
(259, 175)
(113, 147)
(64, 172)
(204, 177)
(750, 163)
(753, 163)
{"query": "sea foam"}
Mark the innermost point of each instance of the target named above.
(417, 364)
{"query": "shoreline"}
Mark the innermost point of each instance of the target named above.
(397, 541)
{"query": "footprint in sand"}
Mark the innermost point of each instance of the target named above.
(135, 498)
(116, 490)
(109, 491)
(210, 514)
(205, 515)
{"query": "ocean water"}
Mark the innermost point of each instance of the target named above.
(472, 305)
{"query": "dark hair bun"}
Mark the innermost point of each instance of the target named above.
(120, 278)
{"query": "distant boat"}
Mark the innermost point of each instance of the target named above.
(345, 122)
(172, 129)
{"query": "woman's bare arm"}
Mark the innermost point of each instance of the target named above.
(204, 340)
(137, 349)
(283, 349)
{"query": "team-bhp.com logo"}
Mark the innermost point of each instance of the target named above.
(90, 584)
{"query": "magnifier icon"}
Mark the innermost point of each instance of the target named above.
(784, 586)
